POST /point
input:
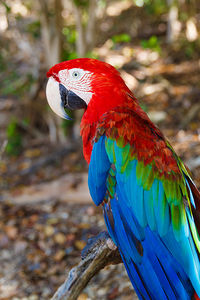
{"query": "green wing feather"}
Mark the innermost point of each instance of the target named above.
(174, 201)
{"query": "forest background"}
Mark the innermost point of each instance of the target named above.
(46, 214)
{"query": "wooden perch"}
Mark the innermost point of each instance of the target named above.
(99, 252)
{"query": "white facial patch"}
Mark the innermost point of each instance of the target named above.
(78, 81)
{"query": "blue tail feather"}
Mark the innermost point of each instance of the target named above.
(153, 271)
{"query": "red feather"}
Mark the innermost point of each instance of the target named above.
(129, 122)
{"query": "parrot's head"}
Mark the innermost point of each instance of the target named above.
(85, 83)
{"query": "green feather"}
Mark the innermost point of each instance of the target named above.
(179, 221)
(109, 143)
(161, 208)
(176, 220)
(139, 172)
(122, 155)
(148, 181)
(111, 183)
(120, 142)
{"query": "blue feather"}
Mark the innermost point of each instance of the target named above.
(160, 262)
(98, 171)
(162, 208)
(149, 208)
(130, 218)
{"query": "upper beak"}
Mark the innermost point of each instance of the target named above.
(60, 98)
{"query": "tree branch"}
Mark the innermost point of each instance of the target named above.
(99, 252)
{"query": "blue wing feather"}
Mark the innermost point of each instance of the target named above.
(149, 208)
(161, 209)
(98, 171)
(159, 264)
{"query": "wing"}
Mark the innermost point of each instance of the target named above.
(151, 215)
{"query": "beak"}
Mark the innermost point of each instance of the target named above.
(60, 98)
(70, 100)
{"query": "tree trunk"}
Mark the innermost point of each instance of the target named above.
(51, 29)
(91, 25)
(80, 39)
(51, 22)
(86, 33)
(172, 24)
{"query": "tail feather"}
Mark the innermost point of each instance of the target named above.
(153, 271)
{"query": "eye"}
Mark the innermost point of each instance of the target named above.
(76, 74)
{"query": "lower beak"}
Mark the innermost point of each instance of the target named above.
(70, 100)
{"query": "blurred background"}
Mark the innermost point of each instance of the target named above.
(46, 214)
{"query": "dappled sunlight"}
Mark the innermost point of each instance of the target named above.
(3, 22)
(116, 10)
(46, 212)
(191, 30)
(19, 8)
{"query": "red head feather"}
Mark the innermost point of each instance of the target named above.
(89, 64)
(108, 88)
(108, 91)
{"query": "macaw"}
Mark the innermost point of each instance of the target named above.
(150, 203)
